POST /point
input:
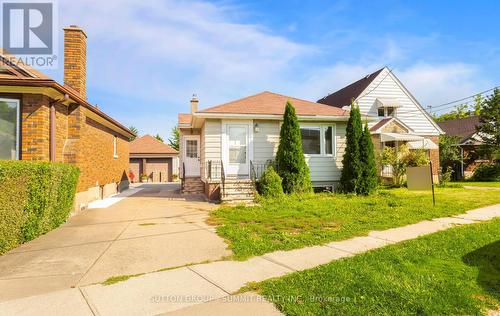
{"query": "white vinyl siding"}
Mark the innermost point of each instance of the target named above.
(387, 87)
(266, 141)
(212, 140)
(325, 169)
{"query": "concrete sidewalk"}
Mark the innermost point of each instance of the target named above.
(208, 288)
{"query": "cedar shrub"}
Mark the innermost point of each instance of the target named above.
(292, 167)
(352, 168)
(369, 181)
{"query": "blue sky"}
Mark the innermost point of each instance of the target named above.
(146, 58)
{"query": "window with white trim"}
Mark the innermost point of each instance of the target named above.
(9, 129)
(318, 140)
(388, 111)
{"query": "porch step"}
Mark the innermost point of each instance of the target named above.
(193, 186)
(238, 191)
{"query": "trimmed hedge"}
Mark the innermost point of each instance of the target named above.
(35, 197)
(270, 183)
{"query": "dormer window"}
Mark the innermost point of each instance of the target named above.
(386, 107)
(387, 112)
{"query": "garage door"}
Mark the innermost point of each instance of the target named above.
(159, 169)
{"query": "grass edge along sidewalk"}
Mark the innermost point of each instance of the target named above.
(456, 271)
(294, 222)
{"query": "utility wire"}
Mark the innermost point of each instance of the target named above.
(463, 99)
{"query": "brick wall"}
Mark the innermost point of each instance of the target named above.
(95, 156)
(79, 140)
(75, 65)
(35, 130)
(434, 156)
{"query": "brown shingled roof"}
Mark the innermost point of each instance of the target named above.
(462, 128)
(269, 103)
(147, 144)
(184, 118)
(344, 96)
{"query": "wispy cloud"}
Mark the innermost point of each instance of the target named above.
(146, 58)
(161, 51)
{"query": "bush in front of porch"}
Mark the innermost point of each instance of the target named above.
(36, 197)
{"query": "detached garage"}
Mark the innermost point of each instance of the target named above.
(152, 160)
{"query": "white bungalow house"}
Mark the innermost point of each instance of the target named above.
(401, 119)
(223, 147)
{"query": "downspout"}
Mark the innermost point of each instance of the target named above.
(52, 138)
(52, 127)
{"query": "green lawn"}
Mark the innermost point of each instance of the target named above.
(295, 222)
(481, 184)
(453, 272)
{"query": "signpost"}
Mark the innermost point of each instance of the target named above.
(420, 179)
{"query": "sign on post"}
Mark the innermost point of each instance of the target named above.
(420, 179)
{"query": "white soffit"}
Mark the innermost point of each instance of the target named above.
(391, 137)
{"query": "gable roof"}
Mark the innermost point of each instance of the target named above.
(269, 103)
(344, 96)
(463, 128)
(20, 75)
(383, 122)
(147, 144)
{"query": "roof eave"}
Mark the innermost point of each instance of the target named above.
(71, 94)
(271, 116)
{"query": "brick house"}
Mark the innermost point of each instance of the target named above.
(157, 160)
(468, 141)
(43, 120)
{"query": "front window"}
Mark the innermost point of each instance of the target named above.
(192, 148)
(318, 140)
(311, 140)
(9, 129)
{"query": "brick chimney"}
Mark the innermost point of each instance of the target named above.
(75, 59)
(194, 104)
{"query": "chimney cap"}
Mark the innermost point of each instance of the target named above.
(75, 27)
(194, 98)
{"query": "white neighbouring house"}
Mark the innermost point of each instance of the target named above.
(401, 118)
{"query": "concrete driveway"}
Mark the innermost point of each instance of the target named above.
(155, 228)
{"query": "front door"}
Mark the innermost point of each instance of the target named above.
(192, 155)
(238, 160)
